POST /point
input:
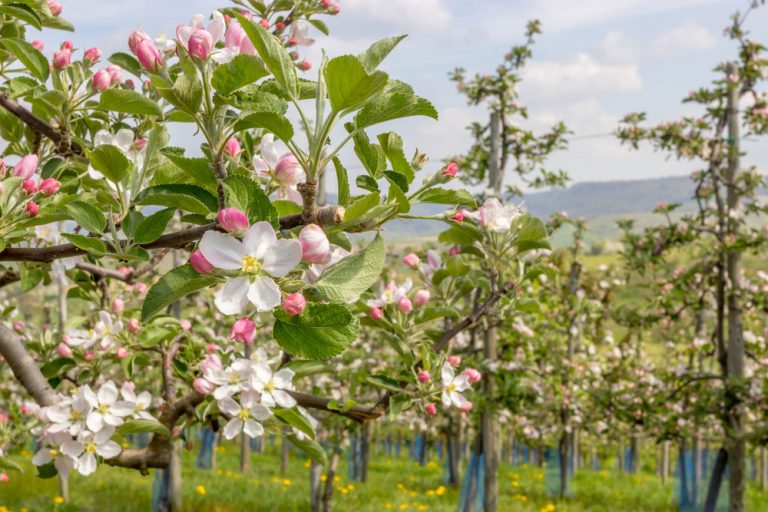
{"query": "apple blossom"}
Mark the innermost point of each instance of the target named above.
(63, 350)
(145, 50)
(49, 186)
(29, 186)
(26, 167)
(203, 386)
(199, 40)
(473, 375)
(106, 409)
(62, 59)
(376, 314)
(233, 220)
(115, 72)
(411, 260)
(32, 209)
(452, 387)
(273, 387)
(92, 55)
(185, 324)
(133, 325)
(244, 331)
(121, 353)
(88, 445)
(421, 298)
(315, 247)
(38, 45)
(199, 263)
(245, 416)
(54, 7)
(294, 304)
(117, 305)
(451, 169)
(424, 376)
(141, 402)
(259, 258)
(230, 380)
(233, 147)
(405, 305)
(101, 80)
(211, 362)
(50, 452)
(431, 409)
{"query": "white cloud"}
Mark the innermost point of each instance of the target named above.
(582, 76)
(688, 36)
(426, 16)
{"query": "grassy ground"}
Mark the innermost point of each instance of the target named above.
(395, 484)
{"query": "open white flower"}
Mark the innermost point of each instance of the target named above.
(88, 445)
(106, 409)
(81, 338)
(70, 414)
(106, 329)
(273, 387)
(315, 269)
(51, 452)
(453, 386)
(268, 156)
(245, 416)
(494, 216)
(230, 380)
(391, 294)
(141, 403)
(260, 257)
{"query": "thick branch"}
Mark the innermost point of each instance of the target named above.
(39, 126)
(10, 276)
(359, 414)
(96, 270)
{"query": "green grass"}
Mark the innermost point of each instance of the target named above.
(394, 484)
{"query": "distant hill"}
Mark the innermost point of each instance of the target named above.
(602, 203)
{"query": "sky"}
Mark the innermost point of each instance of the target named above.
(596, 61)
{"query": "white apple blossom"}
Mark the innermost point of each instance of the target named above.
(495, 216)
(245, 416)
(141, 402)
(391, 294)
(259, 258)
(106, 328)
(87, 445)
(273, 387)
(230, 380)
(51, 452)
(70, 414)
(453, 386)
(105, 407)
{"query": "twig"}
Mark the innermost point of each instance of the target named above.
(40, 126)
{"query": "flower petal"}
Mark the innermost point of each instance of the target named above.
(283, 257)
(260, 239)
(233, 296)
(253, 428)
(229, 406)
(222, 251)
(283, 399)
(264, 294)
(232, 428)
(108, 450)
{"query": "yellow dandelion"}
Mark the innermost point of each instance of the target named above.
(430, 493)
(3, 508)
(337, 478)
(286, 482)
(58, 500)
(404, 506)
(200, 490)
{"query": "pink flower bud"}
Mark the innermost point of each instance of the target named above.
(211, 348)
(294, 304)
(454, 361)
(38, 45)
(411, 260)
(26, 167)
(473, 375)
(305, 65)
(129, 384)
(280, 26)
(4, 417)
(264, 23)
(4, 478)
(140, 144)
(145, 50)
(29, 186)
(117, 306)
(233, 220)
(62, 59)
(50, 186)
(376, 314)
(334, 9)
(200, 44)
(424, 376)
(121, 353)
(458, 216)
(422, 297)
(467, 407)
(89, 356)
(233, 147)
(431, 409)
(288, 171)
(24, 409)
(92, 55)
(63, 350)
(32, 209)
(134, 325)
(455, 250)
(211, 362)
(234, 35)
(405, 305)
(451, 169)
(115, 72)
(315, 247)
(244, 331)
(140, 289)
(202, 386)
(101, 80)
(67, 45)
(185, 324)
(199, 263)
(55, 7)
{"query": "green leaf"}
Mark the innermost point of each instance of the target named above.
(245, 194)
(349, 85)
(320, 332)
(320, 25)
(153, 226)
(392, 145)
(46, 471)
(110, 161)
(396, 195)
(342, 182)
(86, 243)
(274, 55)
(129, 102)
(285, 207)
(378, 51)
(304, 368)
(189, 198)
(270, 121)
(10, 465)
(128, 62)
(365, 182)
(32, 59)
(531, 234)
(142, 427)
(311, 447)
(295, 419)
(385, 382)
(87, 216)
(439, 195)
(349, 278)
(23, 13)
(361, 205)
(196, 168)
(461, 234)
(186, 93)
(171, 287)
(396, 104)
(57, 367)
(371, 155)
(239, 72)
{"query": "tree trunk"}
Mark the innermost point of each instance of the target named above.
(366, 452)
(315, 489)
(285, 452)
(333, 465)
(717, 479)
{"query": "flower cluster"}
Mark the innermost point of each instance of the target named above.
(79, 428)
(25, 188)
(451, 388)
(246, 391)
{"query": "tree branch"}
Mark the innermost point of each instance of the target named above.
(65, 146)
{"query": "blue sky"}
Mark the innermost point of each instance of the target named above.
(596, 61)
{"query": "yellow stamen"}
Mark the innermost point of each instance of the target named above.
(244, 414)
(251, 265)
